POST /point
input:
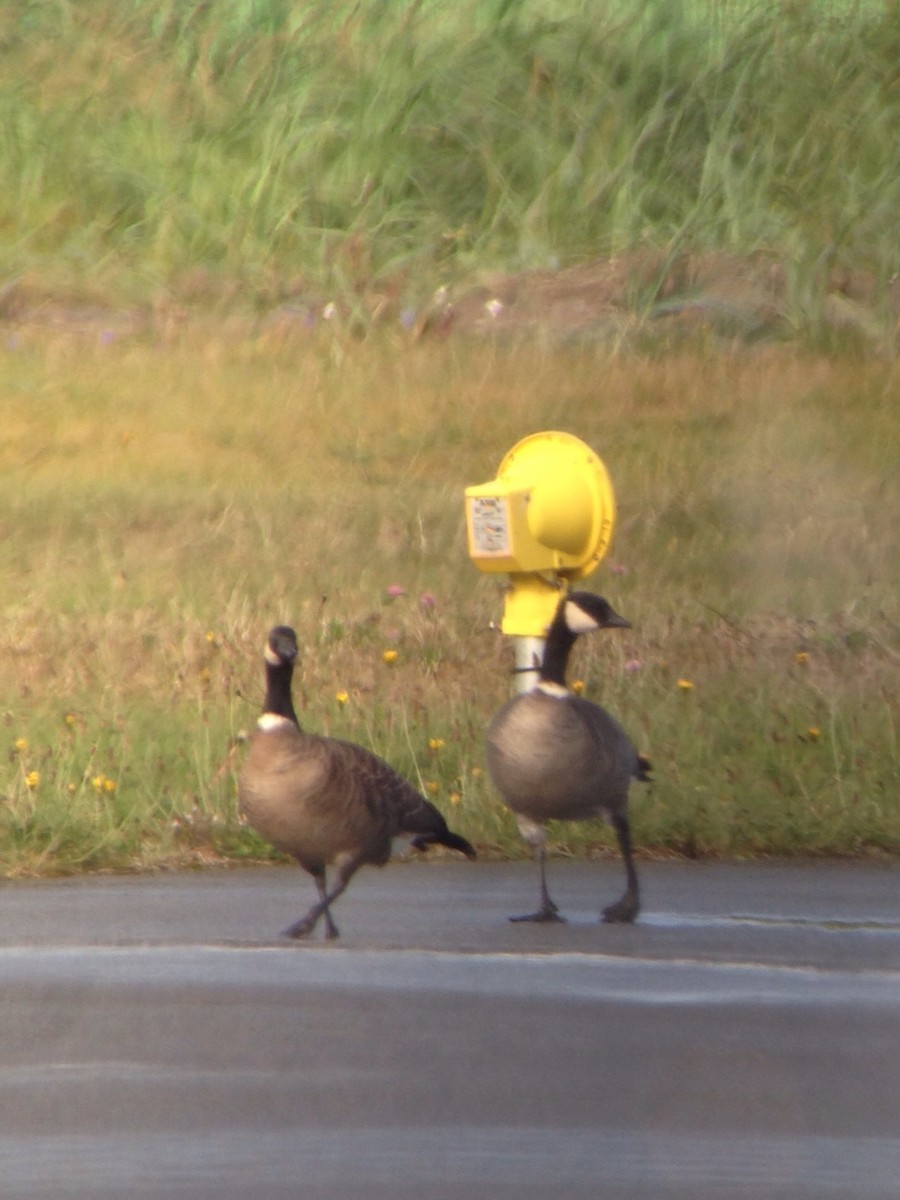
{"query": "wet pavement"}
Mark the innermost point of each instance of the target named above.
(743, 1039)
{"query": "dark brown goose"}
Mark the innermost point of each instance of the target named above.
(324, 801)
(555, 756)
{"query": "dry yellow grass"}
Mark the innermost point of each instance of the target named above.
(169, 496)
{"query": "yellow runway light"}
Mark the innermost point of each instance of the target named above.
(546, 519)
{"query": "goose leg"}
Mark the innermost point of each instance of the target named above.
(330, 927)
(308, 922)
(331, 930)
(535, 836)
(627, 908)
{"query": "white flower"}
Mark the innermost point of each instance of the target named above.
(494, 307)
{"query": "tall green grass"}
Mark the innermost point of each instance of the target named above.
(164, 503)
(255, 149)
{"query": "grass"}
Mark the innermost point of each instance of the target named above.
(178, 472)
(257, 150)
(164, 503)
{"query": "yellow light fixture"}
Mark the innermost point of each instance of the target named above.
(547, 518)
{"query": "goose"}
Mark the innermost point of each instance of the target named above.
(324, 801)
(553, 755)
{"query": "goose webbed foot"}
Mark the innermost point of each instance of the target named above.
(300, 929)
(623, 912)
(304, 927)
(547, 912)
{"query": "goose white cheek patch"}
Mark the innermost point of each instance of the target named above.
(578, 620)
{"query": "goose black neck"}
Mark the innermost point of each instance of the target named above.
(278, 691)
(560, 640)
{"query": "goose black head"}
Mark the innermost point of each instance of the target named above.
(281, 646)
(584, 612)
(578, 612)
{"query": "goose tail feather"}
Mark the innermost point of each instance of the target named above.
(451, 840)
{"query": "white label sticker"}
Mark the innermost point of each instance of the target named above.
(489, 524)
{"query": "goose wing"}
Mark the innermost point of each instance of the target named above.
(391, 801)
(614, 754)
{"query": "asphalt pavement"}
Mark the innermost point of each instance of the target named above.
(159, 1039)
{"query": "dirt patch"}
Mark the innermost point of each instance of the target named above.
(619, 301)
(734, 297)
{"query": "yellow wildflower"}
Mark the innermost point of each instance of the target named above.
(431, 788)
(814, 733)
(69, 719)
(435, 744)
(97, 783)
(32, 779)
(21, 745)
(685, 685)
(578, 686)
(109, 785)
(455, 798)
(342, 697)
(801, 658)
(389, 656)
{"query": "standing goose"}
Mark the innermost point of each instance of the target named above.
(325, 801)
(555, 756)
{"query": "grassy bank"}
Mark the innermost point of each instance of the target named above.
(179, 470)
(255, 151)
(164, 503)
